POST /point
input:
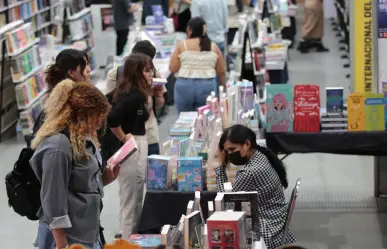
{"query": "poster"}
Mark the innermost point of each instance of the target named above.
(382, 44)
(363, 47)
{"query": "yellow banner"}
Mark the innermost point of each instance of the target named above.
(363, 46)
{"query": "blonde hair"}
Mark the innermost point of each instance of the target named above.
(76, 107)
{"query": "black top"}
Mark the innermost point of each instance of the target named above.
(130, 113)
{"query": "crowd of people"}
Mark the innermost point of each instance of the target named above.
(80, 129)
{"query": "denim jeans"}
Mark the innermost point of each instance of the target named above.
(221, 47)
(153, 149)
(192, 93)
(45, 240)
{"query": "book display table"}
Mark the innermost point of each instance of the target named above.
(370, 143)
(166, 207)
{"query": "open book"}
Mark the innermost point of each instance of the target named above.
(123, 153)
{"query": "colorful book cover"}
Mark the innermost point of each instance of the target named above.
(246, 95)
(226, 230)
(374, 109)
(189, 174)
(123, 153)
(356, 112)
(307, 108)
(384, 85)
(146, 241)
(159, 172)
(335, 100)
(279, 108)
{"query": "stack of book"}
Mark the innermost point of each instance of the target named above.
(184, 124)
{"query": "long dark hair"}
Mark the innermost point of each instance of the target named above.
(238, 134)
(133, 75)
(68, 59)
(197, 25)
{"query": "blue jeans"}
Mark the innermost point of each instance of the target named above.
(45, 240)
(221, 47)
(153, 149)
(192, 93)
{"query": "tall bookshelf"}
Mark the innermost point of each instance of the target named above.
(9, 112)
(22, 82)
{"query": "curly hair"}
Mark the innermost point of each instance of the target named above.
(78, 107)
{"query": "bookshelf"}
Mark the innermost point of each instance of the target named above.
(80, 26)
(9, 112)
(26, 69)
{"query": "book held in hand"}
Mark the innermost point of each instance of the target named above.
(123, 153)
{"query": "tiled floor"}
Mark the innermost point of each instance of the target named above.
(335, 208)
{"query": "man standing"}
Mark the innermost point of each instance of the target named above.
(123, 17)
(215, 13)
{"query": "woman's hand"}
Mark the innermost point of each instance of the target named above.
(110, 174)
(158, 91)
(127, 137)
(220, 157)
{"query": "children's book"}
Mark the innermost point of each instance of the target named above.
(374, 108)
(189, 174)
(307, 108)
(123, 153)
(279, 108)
(335, 100)
(159, 172)
(356, 112)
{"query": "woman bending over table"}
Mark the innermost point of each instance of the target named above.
(262, 172)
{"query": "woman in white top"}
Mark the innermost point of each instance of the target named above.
(197, 61)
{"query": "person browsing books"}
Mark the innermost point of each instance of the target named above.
(196, 61)
(262, 172)
(70, 65)
(152, 129)
(131, 110)
(68, 164)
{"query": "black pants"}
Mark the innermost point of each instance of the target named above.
(122, 38)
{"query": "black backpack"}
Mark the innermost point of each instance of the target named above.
(22, 185)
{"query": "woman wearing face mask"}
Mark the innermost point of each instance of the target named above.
(130, 111)
(262, 172)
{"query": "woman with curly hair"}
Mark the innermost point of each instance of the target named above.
(68, 164)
